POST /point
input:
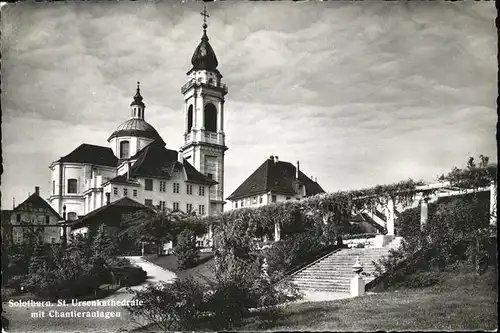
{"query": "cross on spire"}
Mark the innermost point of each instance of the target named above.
(205, 15)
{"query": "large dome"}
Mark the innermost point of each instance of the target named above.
(137, 127)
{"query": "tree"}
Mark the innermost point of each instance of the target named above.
(103, 246)
(153, 225)
(186, 251)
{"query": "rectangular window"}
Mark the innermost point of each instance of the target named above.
(254, 201)
(210, 176)
(242, 203)
(176, 187)
(47, 219)
(149, 185)
(18, 217)
(260, 199)
(148, 202)
(236, 204)
(288, 198)
(52, 240)
(189, 189)
(201, 190)
(18, 236)
(189, 208)
(201, 209)
(162, 205)
(53, 187)
(134, 193)
(163, 186)
(115, 191)
(175, 206)
(72, 186)
(125, 192)
(273, 199)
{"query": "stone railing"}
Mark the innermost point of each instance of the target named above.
(191, 83)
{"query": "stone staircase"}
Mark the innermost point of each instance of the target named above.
(333, 273)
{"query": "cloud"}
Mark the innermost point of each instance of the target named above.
(360, 92)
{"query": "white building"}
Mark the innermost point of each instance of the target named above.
(136, 163)
(274, 181)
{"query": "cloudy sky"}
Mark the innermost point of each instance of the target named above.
(362, 93)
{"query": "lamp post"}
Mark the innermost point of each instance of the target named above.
(357, 282)
(142, 248)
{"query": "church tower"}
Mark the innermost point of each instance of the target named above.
(204, 139)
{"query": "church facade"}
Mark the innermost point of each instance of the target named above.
(136, 163)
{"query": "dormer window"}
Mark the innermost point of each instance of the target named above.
(211, 81)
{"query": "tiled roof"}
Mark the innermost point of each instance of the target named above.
(36, 201)
(276, 177)
(123, 202)
(123, 179)
(195, 176)
(155, 160)
(91, 154)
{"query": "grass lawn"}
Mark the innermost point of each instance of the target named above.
(464, 301)
(169, 262)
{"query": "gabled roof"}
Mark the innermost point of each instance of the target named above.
(123, 202)
(35, 201)
(194, 175)
(91, 154)
(123, 179)
(155, 160)
(278, 177)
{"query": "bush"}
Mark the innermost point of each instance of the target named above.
(186, 250)
(176, 306)
(360, 246)
(7, 293)
(125, 273)
(421, 280)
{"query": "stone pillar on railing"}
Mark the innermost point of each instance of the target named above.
(493, 203)
(357, 282)
(210, 236)
(390, 217)
(424, 212)
(277, 231)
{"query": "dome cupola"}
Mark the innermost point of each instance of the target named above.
(135, 133)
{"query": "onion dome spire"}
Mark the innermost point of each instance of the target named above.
(204, 56)
(137, 97)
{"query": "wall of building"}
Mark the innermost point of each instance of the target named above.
(255, 200)
(37, 218)
(83, 173)
(168, 196)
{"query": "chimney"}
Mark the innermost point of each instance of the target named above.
(180, 158)
(108, 198)
(271, 158)
(64, 212)
(37, 190)
(297, 171)
(276, 159)
(13, 202)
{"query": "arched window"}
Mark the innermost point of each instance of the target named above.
(211, 81)
(124, 149)
(190, 118)
(210, 118)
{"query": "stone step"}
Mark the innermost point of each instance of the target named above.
(312, 275)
